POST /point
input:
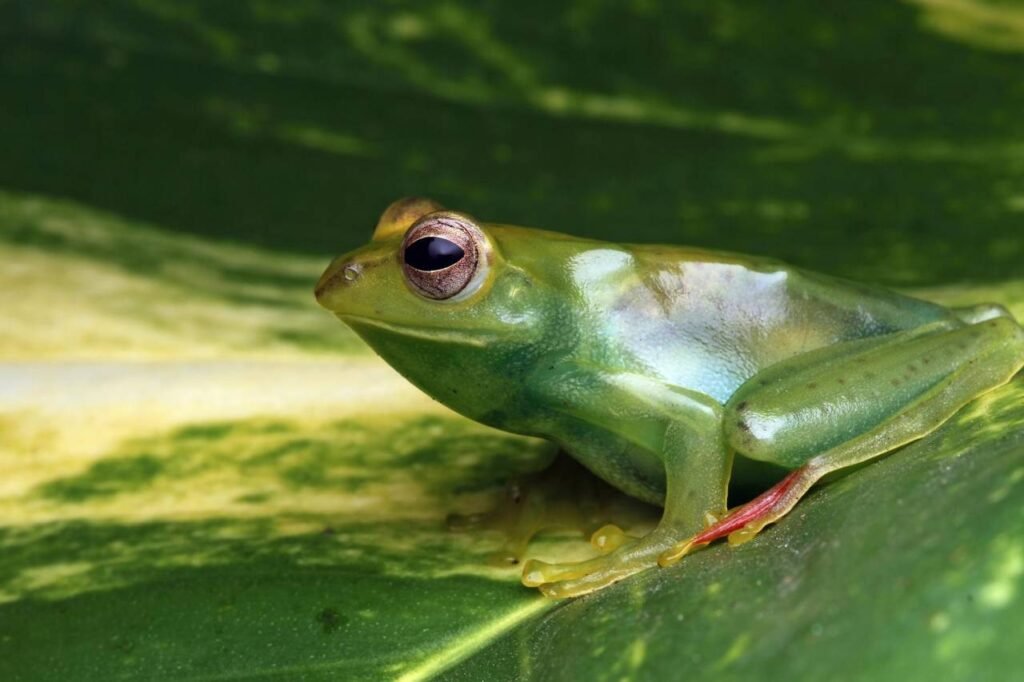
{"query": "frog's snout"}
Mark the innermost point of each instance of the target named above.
(339, 274)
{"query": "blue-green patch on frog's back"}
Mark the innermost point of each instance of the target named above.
(708, 322)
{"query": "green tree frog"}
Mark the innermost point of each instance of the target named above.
(655, 365)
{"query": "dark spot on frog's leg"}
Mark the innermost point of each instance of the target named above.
(912, 367)
(742, 405)
(895, 382)
(812, 385)
(764, 382)
(840, 381)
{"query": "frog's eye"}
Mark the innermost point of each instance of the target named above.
(433, 253)
(443, 256)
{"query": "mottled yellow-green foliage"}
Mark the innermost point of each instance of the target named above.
(307, 489)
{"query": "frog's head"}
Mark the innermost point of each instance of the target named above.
(460, 308)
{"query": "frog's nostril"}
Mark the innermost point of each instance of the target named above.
(351, 272)
(336, 277)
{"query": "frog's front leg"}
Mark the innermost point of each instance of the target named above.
(845, 405)
(680, 427)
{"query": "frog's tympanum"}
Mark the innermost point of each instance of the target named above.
(655, 365)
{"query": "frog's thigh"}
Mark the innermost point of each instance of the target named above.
(823, 419)
(892, 391)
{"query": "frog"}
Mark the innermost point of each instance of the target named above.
(658, 367)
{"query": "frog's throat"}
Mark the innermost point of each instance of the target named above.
(478, 339)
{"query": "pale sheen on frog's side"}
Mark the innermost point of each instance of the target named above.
(654, 365)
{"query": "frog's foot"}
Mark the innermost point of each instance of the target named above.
(745, 522)
(608, 538)
(575, 579)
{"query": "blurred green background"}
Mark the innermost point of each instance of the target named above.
(877, 139)
(205, 477)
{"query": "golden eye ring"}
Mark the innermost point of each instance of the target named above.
(442, 255)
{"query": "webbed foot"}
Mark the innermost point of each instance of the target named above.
(631, 556)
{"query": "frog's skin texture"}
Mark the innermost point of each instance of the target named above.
(655, 365)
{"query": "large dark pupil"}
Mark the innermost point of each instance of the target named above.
(432, 253)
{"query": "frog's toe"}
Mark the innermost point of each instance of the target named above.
(537, 573)
(608, 538)
(580, 577)
(745, 534)
(570, 580)
(589, 583)
(680, 549)
(677, 552)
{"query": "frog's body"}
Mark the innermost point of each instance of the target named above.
(652, 365)
(706, 324)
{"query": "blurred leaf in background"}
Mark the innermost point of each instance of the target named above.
(881, 140)
(203, 476)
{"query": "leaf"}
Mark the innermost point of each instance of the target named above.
(275, 510)
(790, 131)
(285, 517)
(910, 568)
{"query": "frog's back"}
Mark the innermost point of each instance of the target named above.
(709, 321)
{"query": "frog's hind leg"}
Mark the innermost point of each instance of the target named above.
(885, 394)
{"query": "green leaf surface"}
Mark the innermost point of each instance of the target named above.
(881, 141)
(911, 568)
(178, 516)
(204, 477)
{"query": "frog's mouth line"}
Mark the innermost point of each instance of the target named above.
(437, 334)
